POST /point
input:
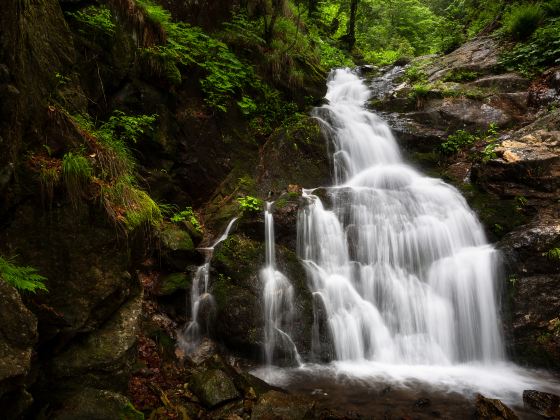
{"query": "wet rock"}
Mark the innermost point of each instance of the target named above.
(177, 247)
(18, 335)
(543, 403)
(491, 409)
(281, 406)
(206, 349)
(95, 404)
(103, 357)
(213, 387)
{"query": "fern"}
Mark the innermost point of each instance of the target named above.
(22, 278)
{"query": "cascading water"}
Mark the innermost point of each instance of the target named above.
(399, 261)
(402, 277)
(191, 335)
(278, 296)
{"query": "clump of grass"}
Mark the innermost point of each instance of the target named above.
(23, 278)
(420, 92)
(520, 21)
(76, 172)
(125, 203)
(129, 206)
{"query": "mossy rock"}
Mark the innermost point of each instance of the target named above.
(96, 404)
(172, 283)
(176, 239)
(213, 387)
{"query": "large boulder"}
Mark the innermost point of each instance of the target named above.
(96, 404)
(213, 387)
(492, 409)
(543, 403)
(104, 357)
(18, 336)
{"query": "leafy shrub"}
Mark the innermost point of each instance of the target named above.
(540, 50)
(22, 278)
(94, 19)
(521, 20)
(457, 141)
(225, 75)
(250, 204)
(128, 127)
(415, 72)
(189, 216)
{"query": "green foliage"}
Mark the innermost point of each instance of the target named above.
(247, 105)
(250, 204)
(23, 278)
(540, 50)
(125, 203)
(94, 19)
(457, 141)
(128, 128)
(128, 205)
(521, 20)
(553, 254)
(462, 139)
(272, 110)
(419, 92)
(189, 216)
(224, 74)
(415, 72)
(76, 172)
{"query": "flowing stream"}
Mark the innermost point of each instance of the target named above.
(399, 266)
(189, 338)
(278, 296)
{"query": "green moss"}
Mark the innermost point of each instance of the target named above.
(130, 206)
(175, 238)
(174, 282)
(129, 412)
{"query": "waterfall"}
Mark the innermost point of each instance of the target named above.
(398, 262)
(191, 335)
(278, 296)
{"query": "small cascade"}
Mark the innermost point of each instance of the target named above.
(200, 297)
(278, 300)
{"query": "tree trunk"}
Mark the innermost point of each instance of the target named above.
(351, 35)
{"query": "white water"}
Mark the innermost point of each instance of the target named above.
(401, 267)
(189, 338)
(400, 261)
(278, 296)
